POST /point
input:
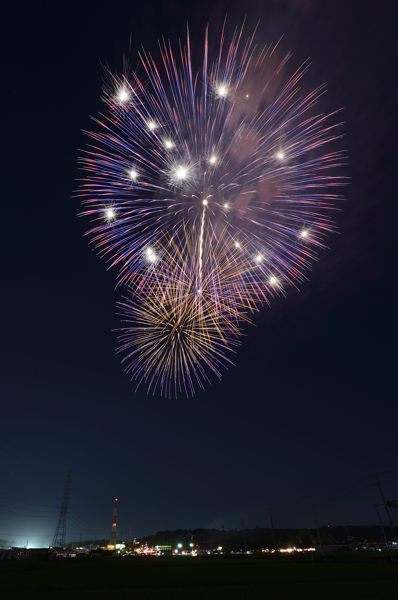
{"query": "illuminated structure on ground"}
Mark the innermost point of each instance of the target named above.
(115, 514)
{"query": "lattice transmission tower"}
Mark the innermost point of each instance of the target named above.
(59, 539)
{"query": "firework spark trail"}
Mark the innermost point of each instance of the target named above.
(210, 190)
(202, 225)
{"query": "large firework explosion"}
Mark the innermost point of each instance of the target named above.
(210, 190)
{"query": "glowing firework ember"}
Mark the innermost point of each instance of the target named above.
(210, 190)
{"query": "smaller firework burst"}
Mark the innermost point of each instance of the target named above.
(172, 340)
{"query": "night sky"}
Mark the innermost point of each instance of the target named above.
(308, 414)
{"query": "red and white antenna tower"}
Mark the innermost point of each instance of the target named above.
(114, 521)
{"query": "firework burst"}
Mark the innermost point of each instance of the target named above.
(174, 334)
(210, 190)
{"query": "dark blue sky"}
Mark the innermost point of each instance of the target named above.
(311, 405)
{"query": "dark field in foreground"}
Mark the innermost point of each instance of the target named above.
(193, 578)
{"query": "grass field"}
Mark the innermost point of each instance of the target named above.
(204, 578)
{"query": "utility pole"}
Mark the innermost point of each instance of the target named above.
(243, 535)
(271, 520)
(59, 539)
(318, 531)
(383, 531)
(385, 504)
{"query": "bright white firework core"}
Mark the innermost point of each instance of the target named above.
(181, 172)
(222, 90)
(123, 95)
(273, 280)
(110, 214)
(280, 155)
(259, 258)
(150, 255)
(151, 125)
(169, 144)
(303, 234)
(133, 174)
(205, 202)
(213, 159)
